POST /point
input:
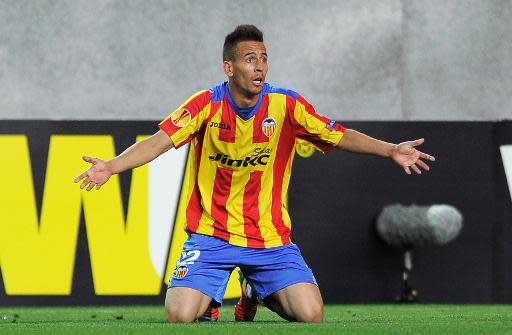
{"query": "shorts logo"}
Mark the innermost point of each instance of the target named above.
(268, 126)
(331, 125)
(181, 117)
(181, 271)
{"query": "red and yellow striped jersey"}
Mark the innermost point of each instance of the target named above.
(240, 167)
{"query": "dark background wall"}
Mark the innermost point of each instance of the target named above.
(334, 200)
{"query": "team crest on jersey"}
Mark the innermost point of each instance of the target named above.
(181, 117)
(268, 126)
(181, 271)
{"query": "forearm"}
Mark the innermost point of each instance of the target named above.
(140, 153)
(355, 141)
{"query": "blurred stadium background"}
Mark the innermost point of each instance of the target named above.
(93, 76)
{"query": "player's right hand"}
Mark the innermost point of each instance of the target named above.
(96, 175)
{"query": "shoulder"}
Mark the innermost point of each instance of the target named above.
(217, 92)
(270, 89)
(205, 96)
(296, 97)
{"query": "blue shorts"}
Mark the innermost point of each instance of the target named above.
(207, 262)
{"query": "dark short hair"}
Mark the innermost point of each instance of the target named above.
(244, 32)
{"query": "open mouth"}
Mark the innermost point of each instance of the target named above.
(257, 81)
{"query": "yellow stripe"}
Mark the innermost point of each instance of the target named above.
(205, 224)
(267, 229)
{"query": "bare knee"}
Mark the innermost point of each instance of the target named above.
(174, 314)
(299, 302)
(312, 313)
(185, 305)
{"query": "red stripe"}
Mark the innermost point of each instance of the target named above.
(261, 114)
(198, 103)
(303, 134)
(251, 211)
(290, 108)
(228, 119)
(340, 127)
(168, 127)
(311, 110)
(213, 109)
(221, 189)
(194, 208)
(284, 150)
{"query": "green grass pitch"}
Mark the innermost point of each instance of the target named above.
(339, 319)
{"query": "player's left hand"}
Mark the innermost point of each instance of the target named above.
(409, 158)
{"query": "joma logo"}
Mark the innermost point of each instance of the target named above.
(219, 125)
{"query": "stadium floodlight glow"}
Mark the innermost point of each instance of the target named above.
(407, 227)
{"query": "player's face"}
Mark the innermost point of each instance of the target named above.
(247, 72)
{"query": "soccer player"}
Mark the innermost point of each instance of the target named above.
(242, 136)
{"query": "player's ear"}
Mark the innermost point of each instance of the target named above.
(228, 68)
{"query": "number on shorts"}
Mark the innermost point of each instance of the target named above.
(188, 257)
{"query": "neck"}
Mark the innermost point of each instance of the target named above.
(240, 99)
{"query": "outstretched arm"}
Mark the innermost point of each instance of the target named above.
(404, 154)
(136, 155)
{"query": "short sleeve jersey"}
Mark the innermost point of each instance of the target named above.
(239, 168)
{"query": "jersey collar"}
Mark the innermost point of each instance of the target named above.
(237, 109)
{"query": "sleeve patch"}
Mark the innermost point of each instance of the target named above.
(181, 117)
(331, 125)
